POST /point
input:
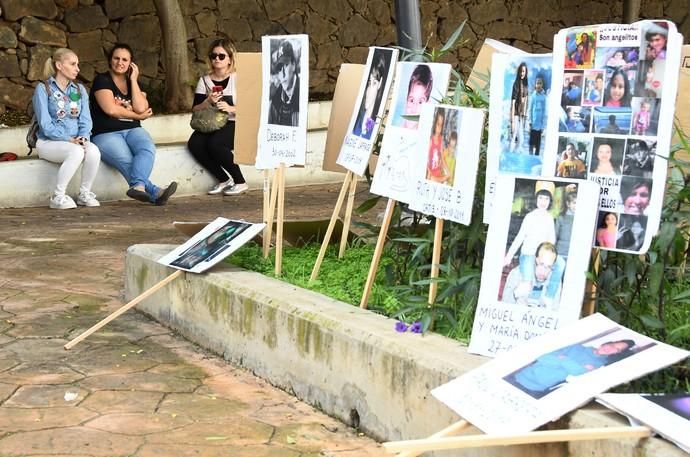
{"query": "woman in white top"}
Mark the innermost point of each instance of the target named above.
(214, 150)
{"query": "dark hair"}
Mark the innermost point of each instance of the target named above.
(440, 112)
(378, 67)
(629, 185)
(612, 118)
(117, 46)
(627, 95)
(602, 221)
(519, 81)
(612, 358)
(599, 76)
(422, 75)
(546, 193)
(616, 158)
(453, 136)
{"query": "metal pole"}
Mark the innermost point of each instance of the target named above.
(408, 24)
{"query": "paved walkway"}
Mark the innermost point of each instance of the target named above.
(134, 388)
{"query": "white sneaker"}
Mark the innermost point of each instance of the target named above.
(87, 199)
(62, 202)
(236, 189)
(220, 187)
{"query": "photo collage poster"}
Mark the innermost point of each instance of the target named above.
(220, 238)
(416, 83)
(449, 135)
(520, 87)
(615, 115)
(369, 109)
(533, 275)
(553, 374)
(282, 136)
(667, 414)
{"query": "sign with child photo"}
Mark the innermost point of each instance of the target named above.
(552, 374)
(612, 122)
(448, 135)
(416, 84)
(533, 272)
(520, 86)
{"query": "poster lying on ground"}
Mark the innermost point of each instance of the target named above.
(667, 414)
(369, 109)
(415, 84)
(613, 121)
(520, 87)
(444, 169)
(533, 276)
(282, 136)
(220, 238)
(553, 374)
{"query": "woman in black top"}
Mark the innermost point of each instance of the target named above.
(214, 150)
(117, 106)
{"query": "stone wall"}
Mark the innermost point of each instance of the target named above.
(340, 31)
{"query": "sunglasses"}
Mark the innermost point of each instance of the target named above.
(213, 55)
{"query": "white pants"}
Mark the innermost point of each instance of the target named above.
(71, 155)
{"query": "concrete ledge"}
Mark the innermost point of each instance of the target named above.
(334, 356)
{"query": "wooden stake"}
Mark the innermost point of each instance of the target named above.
(547, 436)
(450, 430)
(589, 305)
(271, 212)
(280, 219)
(435, 259)
(267, 204)
(124, 308)
(348, 215)
(331, 226)
(380, 242)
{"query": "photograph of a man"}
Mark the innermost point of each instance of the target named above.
(285, 80)
(210, 246)
(535, 292)
(550, 371)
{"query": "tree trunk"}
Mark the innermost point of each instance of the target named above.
(631, 11)
(178, 92)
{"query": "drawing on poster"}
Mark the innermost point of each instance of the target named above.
(441, 189)
(212, 244)
(416, 84)
(369, 108)
(552, 374)
(615, 114)
(282, 136)
(520, 87)
(531, 276)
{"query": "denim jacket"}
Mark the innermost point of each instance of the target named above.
(62, 115)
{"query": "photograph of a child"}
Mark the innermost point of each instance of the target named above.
(607, 229)
(418, 91)
(540, 229)
(211, 246)
(571, 92)
(571, 162)
(631, 232)
(443, 144)
(575, 119)
(656, 37)
(617, 58)
(526, 83)
(372, 102)
(612, 121)
(569, 364)
(639, 158)
(645, 121)
(619, 88)
(579, 49)
(594, 88)
(650, 76)
(284, 90)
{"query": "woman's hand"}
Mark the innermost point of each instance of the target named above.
(214, 97)
(145, 115)
(134, 75)
(225, 107)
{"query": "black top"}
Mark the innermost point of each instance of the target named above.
(102, 123)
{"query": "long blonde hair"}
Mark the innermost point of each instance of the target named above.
(49, 68)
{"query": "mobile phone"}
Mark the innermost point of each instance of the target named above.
(217, 88)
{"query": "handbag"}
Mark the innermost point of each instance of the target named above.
(209, 119)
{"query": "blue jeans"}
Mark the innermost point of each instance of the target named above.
(132, 152)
